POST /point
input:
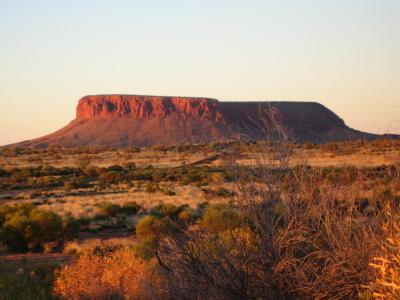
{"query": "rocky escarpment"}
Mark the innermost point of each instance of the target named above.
(135, 120)
(146, 107)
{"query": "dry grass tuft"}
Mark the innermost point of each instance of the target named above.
(387, 265)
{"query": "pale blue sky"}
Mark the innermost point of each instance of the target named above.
(344, 54)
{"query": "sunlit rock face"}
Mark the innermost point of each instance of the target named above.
(146, 107)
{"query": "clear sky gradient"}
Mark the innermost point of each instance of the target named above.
(342, 53)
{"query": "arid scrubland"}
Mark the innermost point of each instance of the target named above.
(265, 220)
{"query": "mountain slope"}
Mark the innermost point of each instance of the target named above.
(133, 120)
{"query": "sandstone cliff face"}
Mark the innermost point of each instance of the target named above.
(146, 107)
(133, 120)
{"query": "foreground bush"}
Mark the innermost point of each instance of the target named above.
(387, 283)
(116, 275)
(313, 239)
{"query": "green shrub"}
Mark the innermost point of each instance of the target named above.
(113, 210)
(130, 208)
(167, 210)
(71, 228)
(45, 226)
(13, 232)
(220, 217)
(27, 227)
(109, 209)
(164, 219)
(75, 183)
(149, 228)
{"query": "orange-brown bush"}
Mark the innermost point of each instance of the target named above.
(116, 275)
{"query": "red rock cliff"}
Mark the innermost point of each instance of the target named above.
(146, 107)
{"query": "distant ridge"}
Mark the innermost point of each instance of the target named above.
(137, 120)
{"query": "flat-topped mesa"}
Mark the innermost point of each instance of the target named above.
(146, 107)
(122, 121)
